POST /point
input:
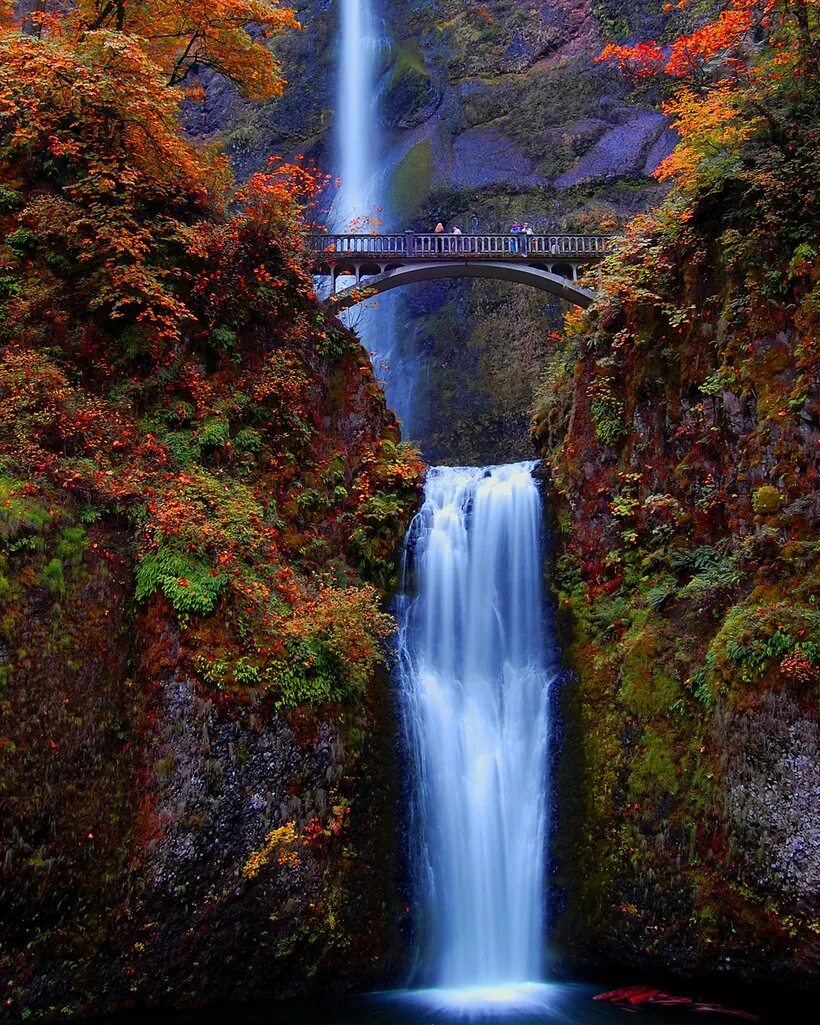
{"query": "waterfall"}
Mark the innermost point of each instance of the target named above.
(361, 201)
(475, 667)
(356, 121)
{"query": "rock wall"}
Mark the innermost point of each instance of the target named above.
(490, 113)
(679, 427)
(175, 830)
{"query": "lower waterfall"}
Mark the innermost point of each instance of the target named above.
(475, 665)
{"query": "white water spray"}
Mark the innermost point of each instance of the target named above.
(475, 669)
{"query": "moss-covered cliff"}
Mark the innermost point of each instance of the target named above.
(201, 497)
(679, 424)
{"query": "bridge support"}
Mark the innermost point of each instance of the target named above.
(378, 263)
(367, 288)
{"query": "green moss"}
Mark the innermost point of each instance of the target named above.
(653, 774)
(71, 546)
(22, 518)
(647, 687)
(409, 87)
(52, 577)
(767, 501)
(412, 181)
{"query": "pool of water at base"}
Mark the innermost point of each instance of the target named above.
(520, 1004)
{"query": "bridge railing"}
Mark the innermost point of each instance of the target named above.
(431, 246)
(358, 245)
(570, 245)
(510, 245)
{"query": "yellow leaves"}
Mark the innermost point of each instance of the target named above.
(712, 128)
(349, 623)
(279, 843)
(100, 100)
(183, 35)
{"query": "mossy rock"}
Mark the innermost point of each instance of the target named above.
(647, 687)
(412, 181)
(767, 501)
(410, 94)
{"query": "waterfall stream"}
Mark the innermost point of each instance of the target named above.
(362, 203)
(475, 666)
(357, 156)
(474, 659)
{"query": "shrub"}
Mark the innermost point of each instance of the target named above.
(767, 500)
(190, 585)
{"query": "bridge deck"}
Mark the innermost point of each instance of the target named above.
(332, 249)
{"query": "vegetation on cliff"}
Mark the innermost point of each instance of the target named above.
(679, 420)
(199, 483)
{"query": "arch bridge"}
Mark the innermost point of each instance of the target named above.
(378, 263)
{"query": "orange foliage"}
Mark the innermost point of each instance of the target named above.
(164, 356)
(718, 45)
(708, 125)
(183, 36)
(726, 74)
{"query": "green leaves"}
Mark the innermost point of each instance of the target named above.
(190, 585)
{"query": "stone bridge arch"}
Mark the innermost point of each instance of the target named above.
(379, 263)
(373, 284)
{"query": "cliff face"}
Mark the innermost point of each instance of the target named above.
(202, 494)
(520, 124)
(680, 428)
(490, 113)
(173, 830)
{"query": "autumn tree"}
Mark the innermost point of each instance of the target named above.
(227, 37)
(743, 90)
(162, 353)
(97, 170)
(750, 70)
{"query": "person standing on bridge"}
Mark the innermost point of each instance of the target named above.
(456, 230)
(515, 230)
(439, 230)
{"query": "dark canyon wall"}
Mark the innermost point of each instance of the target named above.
(679, 427)
(176, 829)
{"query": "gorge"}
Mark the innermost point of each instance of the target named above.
(464, 651)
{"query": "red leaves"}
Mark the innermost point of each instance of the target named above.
(720, 42)
(649, 996)
(642, 60)
(726, 74)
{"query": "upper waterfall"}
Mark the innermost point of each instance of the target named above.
(356, 123)
(475, 667)
(361, 202)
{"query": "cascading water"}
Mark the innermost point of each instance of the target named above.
(361, 201)
(356, 123)
(475, 667)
